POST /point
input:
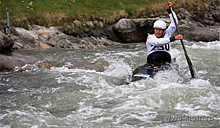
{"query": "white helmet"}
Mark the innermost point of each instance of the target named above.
(160, 24)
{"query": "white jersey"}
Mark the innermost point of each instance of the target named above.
(155, 44)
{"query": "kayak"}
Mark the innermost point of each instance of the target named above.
(144, 72)
(148, 71)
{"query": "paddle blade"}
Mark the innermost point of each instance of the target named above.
(191, 68)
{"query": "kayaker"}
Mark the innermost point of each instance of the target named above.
(158, 48)
(158, 44)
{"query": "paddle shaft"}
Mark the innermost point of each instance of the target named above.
(191, 68)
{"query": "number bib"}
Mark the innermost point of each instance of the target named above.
(165, 47)
(153, 45)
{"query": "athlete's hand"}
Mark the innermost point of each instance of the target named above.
(179, 37)
(169, 4)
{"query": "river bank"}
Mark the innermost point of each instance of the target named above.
(94, 35)
(55, 13)
(195, 26)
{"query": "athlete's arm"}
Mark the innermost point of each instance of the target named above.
(172, 28)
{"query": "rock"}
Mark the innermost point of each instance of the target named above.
(202, 22)
(95, 33)
(208, 16)
(85, 46)
(90, 24)
(81, 34)
(183, 22)
(39, 27)
(209, 22)
(61, 29)
(29, 27)
(101, 46)
(84, 42)
(77, 23)
(94, 40)
(72, 25)
(51, 43)
(47, 64)
(13, 31)
(34, 35)
(44, 46)
(101, 24)
(100, 31)
(181, 16)
(216, 15)
(73, 39)
(67, 29)
(55, 30)
(95, 23)
(128, 31)
(81, 46)
(6, 73)
(62, 36)
(14, 47)
(193, 33)
(13, 38)
(146, 25)
(92, 45)
(75, 46)
(152, 15)
(64, 43)
(111, 35)
(206, 7)
(43, 34)
(6, 43)
(70, 30)
(86, 30)
(195, 18)
(73, 32)
(27, 37)
(69, 42)
(185, 12)
(11, 60)
(19, 44)
(40, 37)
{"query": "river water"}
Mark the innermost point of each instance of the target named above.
(65, 97)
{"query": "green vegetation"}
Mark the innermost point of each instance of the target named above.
(56, 12)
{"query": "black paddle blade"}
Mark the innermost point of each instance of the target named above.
(191, 68)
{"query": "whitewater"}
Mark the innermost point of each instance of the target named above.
(71, 97)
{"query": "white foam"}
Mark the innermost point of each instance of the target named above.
(12, 90)
(206, 45)
(5, 126)
(118, 69)
(199, 83)
(35, 126)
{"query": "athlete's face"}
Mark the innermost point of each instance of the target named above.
(158, 32)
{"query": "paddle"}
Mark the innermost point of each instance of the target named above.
(191, 68)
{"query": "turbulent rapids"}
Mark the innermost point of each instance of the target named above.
(65, 97)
